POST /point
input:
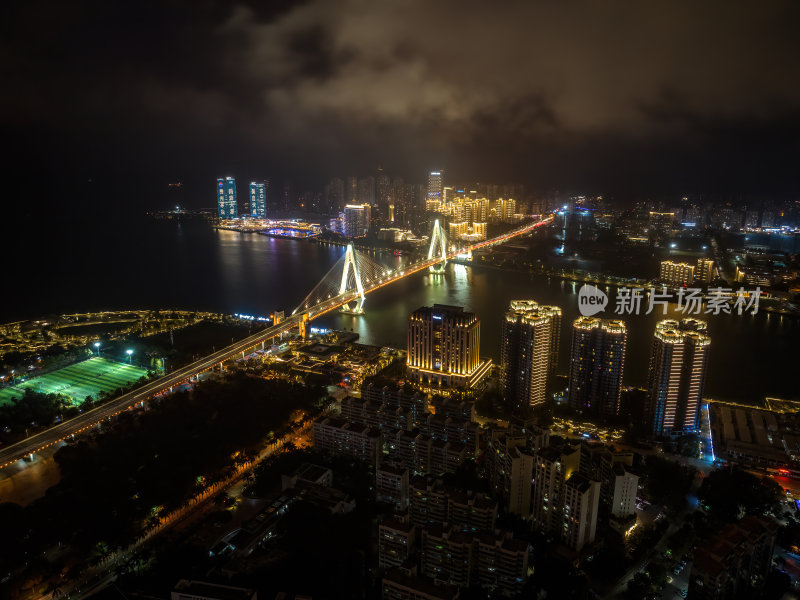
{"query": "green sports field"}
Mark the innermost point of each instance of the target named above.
(86, 378)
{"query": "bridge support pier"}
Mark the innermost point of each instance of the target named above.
(302, 325)
(350, 262)
(438, 249)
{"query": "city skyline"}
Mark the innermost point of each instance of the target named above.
(400, 300)
(656, 76)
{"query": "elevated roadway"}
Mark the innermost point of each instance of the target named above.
(92, 417)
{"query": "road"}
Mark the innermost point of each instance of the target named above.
(90, 418)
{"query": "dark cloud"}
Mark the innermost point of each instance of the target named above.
(615, 95)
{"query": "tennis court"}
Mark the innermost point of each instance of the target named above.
(86, 378)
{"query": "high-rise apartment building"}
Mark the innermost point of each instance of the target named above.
(396, 542)
(351, 190)
(226, 198)
(357, 219)
(529, 351)
(351, 439)
(493, 560)
(704, 271)
(258, 200)
(366, 191)
(678, 362)
(624, 486)
(552, 467)
(597, 362)
(676, 274)
(444, 347)
(334, 196)
(581, 501)
(504, 209)
(520, 473)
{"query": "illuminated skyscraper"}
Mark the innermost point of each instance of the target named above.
(444, 347)
(226, 198)
(597, 362)
(678, 362)
(435, 189)
(258, 200)
(357, 219)
(529, 351)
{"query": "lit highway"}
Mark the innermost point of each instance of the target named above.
(90, 418)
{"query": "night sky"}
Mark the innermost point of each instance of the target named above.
(620, 98)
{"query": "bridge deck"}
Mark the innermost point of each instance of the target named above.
(90, 418)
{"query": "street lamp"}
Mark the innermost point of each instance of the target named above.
(129, 352)
(97, 346)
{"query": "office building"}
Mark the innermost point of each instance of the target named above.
(396, 543)
(258, 200)
(529, 352)
(581, 501)
(226, 198)
(357, 219)
(435, 195)
(676, 382)
(676, 274)
(444, 348)
(597, 362)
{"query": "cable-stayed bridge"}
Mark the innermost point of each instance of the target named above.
(344, 287)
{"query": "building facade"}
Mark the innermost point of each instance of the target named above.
(258, 200)
(676, 274)
(226, 198)
(581, 502)
(597, 364)
(356, 220)
(676, 381)
(444, 347)
(529, 351)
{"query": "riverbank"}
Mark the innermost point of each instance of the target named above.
(778, 307)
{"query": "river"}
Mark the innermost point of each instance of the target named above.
(142, 263)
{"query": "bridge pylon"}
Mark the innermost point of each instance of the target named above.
(438, 248)
(350, 262)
